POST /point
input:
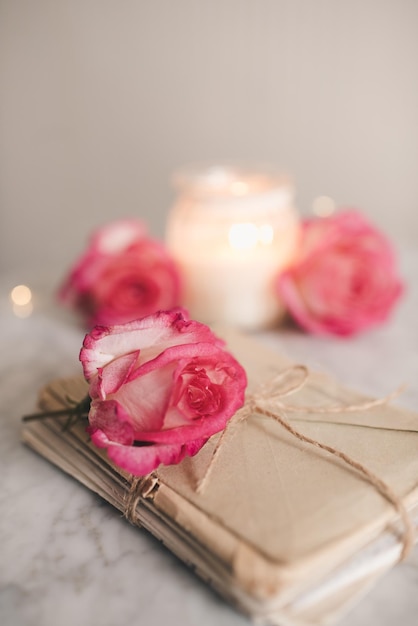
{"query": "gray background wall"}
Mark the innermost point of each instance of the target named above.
(102, 99)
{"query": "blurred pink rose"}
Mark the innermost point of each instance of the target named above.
(122, 276)
(345, 279)
(160, 387)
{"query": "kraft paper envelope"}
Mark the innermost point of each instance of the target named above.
(287, 532)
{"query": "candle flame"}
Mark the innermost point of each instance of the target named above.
(247, 235)
(243, 236)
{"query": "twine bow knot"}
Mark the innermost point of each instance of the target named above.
(283, 384)
(267, 400)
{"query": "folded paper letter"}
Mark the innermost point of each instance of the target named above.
(286, 531)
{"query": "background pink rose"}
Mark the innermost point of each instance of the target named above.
(123, 275)
(160, 387)
(345, 279)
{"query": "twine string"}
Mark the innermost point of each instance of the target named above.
(141, 487)
(284, 384)
(408, 534)
(132, 498)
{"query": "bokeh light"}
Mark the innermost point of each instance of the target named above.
(323, 206)
(21, 297)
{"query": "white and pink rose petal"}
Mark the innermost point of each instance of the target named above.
(140, 460)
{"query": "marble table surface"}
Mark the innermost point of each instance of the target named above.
(67, 558)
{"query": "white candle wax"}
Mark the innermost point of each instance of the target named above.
(231, 232)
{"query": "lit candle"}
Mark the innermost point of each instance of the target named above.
(231, 232)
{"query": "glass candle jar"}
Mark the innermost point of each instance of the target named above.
(232, 230)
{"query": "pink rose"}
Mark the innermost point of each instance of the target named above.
(160, 387)
(123, 275)
(345, 279)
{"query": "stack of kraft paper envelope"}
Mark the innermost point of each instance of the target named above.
(286, 532)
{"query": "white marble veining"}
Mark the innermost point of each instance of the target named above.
(67, 558)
